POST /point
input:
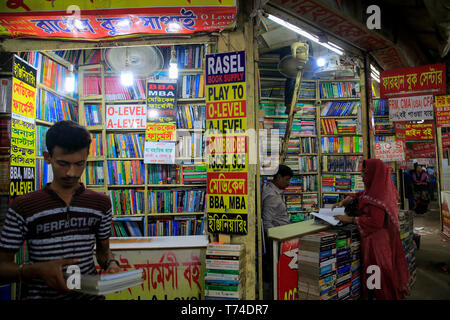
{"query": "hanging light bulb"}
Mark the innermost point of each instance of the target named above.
(69, 82)
(173, 65)
(126, 76)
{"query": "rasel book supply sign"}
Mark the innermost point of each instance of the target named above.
(226, 143)
(113, 19)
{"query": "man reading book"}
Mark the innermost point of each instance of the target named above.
(60, 223)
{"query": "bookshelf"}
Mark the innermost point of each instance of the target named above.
(341, 138)
(155, 200)
(5, 142)
(384, 130)
(316, 148)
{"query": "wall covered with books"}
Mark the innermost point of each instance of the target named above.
(326, 145)
(150, 197)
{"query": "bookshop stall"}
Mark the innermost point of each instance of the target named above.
(148, 104)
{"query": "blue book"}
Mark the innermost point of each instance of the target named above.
(197, 84)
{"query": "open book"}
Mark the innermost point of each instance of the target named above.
(327, 215)
(101, 284)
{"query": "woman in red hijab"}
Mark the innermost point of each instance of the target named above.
(377, 222)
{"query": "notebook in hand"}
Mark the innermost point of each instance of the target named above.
(101, 284)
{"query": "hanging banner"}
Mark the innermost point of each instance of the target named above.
(226, 143)
(161, 102)
(390, 151)
(411, 108)
(442, 111)
(92, 21)
(24, 89)
(159, 152)
(161, 117)
(419, 132)
(126, 116)
(413, 81)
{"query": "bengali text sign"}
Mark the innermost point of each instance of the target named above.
(442, 111)
(390, 151)
(156, 152)
(160, 132)
(419, 132)
(161, 102)
(413, 81)
(411, 108)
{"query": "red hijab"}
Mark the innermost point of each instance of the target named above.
(379, 189)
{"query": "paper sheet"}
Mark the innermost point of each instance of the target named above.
(327, 215)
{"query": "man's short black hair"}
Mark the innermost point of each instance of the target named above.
(284, 171)
(67, 135)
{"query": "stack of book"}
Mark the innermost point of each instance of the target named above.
(343, 263)
(308, 145)
(341, 144)
(4, 175)
(317, 267)
(342, 163)
(96, 147)
(355, 246)
(310, 202)
(126, 172)
(5, 94)
(345, 126)
(191, 86)
(406, 234)
(384, 139)
(44, 173)
(193, 173)
(176, 201)
(342, 183)
(190, 144)
(114, 90)
(127, 201)
(334, 109)
(332, 90)
(330, 199)
(308, 164)
(164, 174)
(272, 108)
(307, 90)
(380, 107)
(189, 56)
(93, 114)
(51, 107)
(191, 116)
(184, 225)
(224, 276)
(129, 145)
(127, 227)
(94, 173)
(41, 131)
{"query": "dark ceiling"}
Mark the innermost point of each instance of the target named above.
(424, 23)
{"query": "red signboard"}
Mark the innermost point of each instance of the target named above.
(413, 81)
(446, 141)
(419, 132)
(288, 271)
(91, 21)
(442, 111)
(424, 150)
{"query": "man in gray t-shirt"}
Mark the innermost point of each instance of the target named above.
(273, 202)
(274, 214)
